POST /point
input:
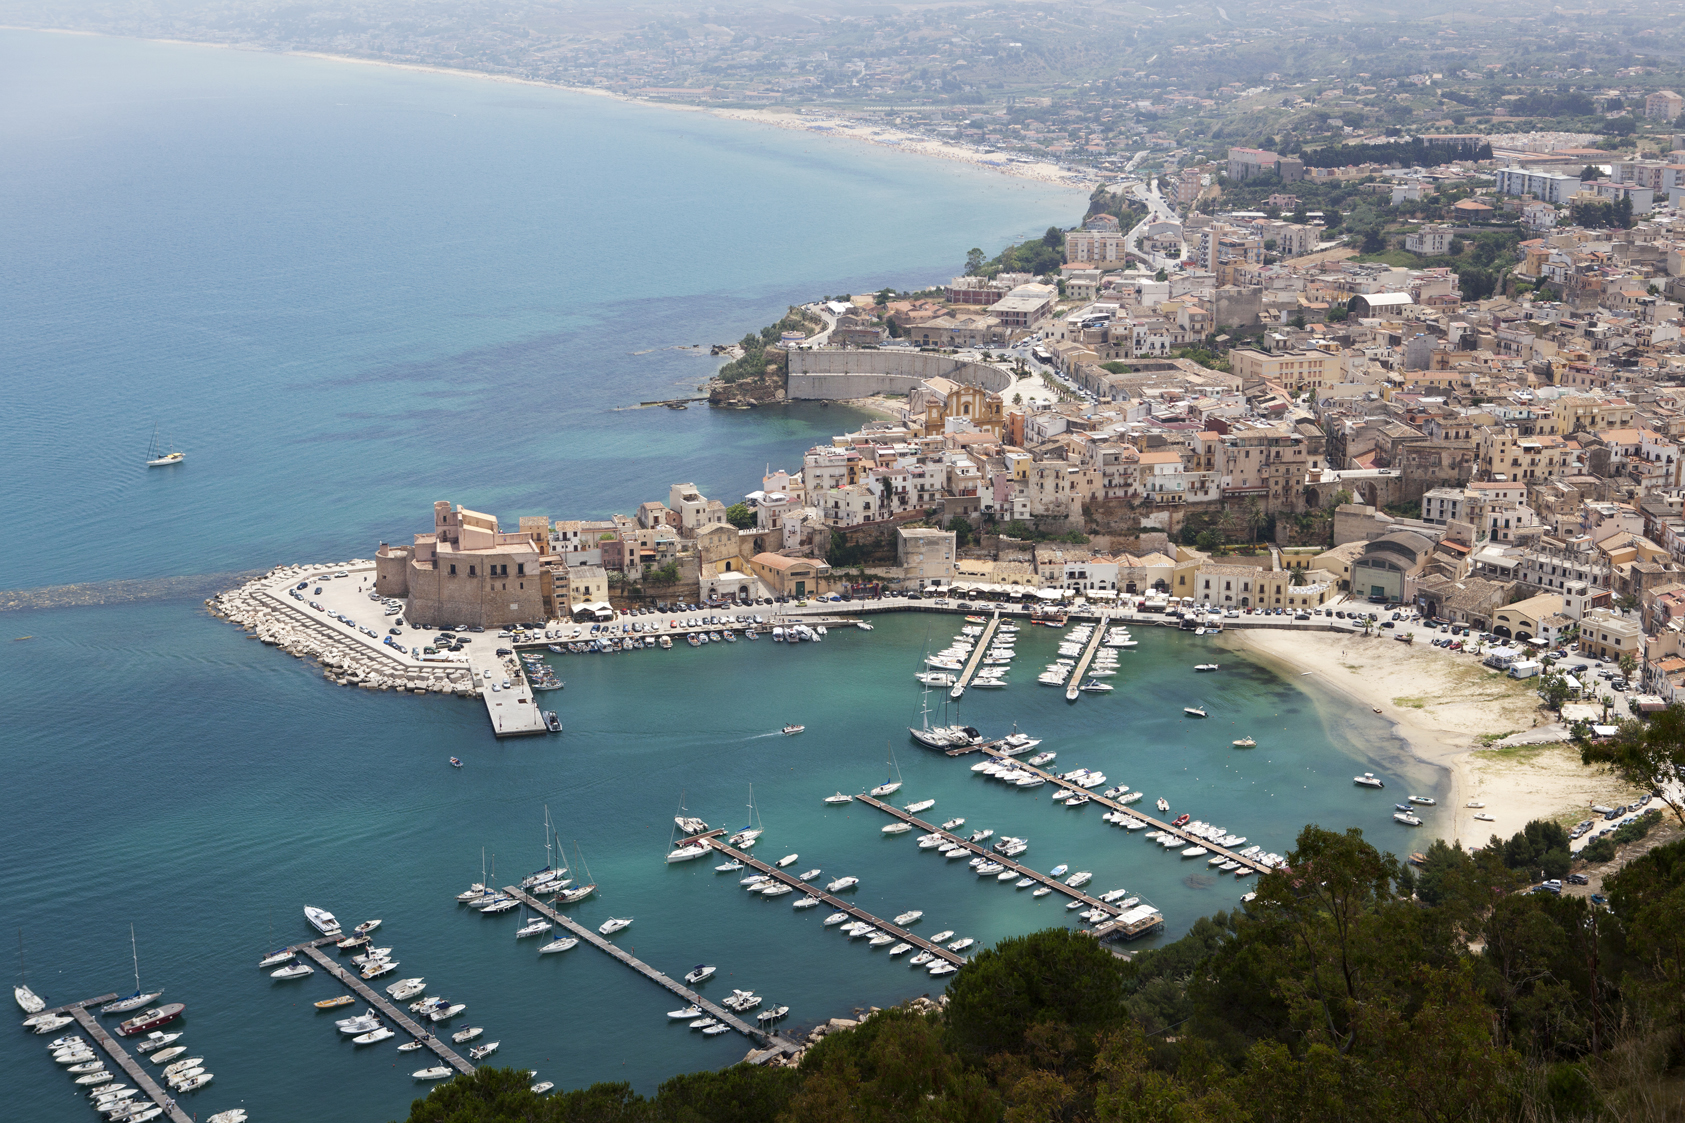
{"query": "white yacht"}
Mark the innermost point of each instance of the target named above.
(322, 920)
(614, 924)
(293, 971)
(909, 917)
(839, 799)
(563, 944)
(535, 927)
(841, 884)
(1368, 780)
(700, 973)
(897, 828)
(688, 853)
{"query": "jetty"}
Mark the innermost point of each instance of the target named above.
(514, 712)
(983, 849)
(380, 1002)
(889, 928)
(978, 654)
(774, 1044)
(1250, 864)
(1074, 687)
(131, 1067)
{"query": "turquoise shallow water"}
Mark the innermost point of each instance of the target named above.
(216, 786)
(349, 291)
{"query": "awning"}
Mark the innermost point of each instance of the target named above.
(1050, 594)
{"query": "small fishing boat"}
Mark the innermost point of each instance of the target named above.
(838, 799)
(700, 973)
(1195, 711)
(792, 730)
(437, 1072)
(1245, 743)
(334, 1003)
(1368, 780)
(809, 875)
(464, 1035)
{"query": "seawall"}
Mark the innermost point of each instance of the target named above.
(836, 375)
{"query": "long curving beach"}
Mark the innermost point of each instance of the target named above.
(1487, 730)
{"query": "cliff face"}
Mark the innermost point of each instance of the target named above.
(758, 378)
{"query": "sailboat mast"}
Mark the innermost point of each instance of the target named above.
(135, 952)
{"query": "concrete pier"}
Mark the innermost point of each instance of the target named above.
(1073, 686)
(837, 903)
(983, 848)
(131, 1067)
(1113, 805)
(380, 1002)
(775, 1044)
(513, 712)
(978, 654)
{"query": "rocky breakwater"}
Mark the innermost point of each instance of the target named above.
(262, 607)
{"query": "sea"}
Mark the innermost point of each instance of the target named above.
(347, 291)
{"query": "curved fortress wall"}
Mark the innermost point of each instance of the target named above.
(836, 375)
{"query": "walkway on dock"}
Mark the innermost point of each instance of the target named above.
(143, 1080)
(1074, 686)
(1111, 804)
(888, 928)
(978, 654)
(983, 849)
(775, 1043)
(514, 712)
(380, 1002)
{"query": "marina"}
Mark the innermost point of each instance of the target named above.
(1248, 862)
(1094, 642)
(773, 1044)
(131, 1067)
(379, 1001)
(981, 848)
(977, 655)
(838, 903)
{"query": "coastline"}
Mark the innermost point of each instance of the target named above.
(1451, 714)
(823, 126)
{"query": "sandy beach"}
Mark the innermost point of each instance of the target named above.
(1454, 714)
(816, 122)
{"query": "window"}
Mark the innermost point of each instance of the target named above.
(453, 569)
(471, 571)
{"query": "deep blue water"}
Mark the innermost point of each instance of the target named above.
(348, 291)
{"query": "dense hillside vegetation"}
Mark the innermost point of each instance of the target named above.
(1352, 989)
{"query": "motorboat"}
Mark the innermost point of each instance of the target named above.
(1043, 758)
(776, 889)
(410, 1047)
(835, 918)
(378, 968)
(728, 867)
(544, 1086)
(809, 875)
(322, 920)
(170, 1072)
(614, 924)
(772, 1014)
(689, 1012)
(373, 955)
(882, 939)
(1059, 870)
(700, 973)
(841, 884)
(334, 1003)
(792, 730)
(942, 968)
(276, 958)
(1195, 711)
(688, 853)
(563, 944)
(1042, 892)
(787, 860)
(961, 944)
(897, 828)
(191, 1083)
(920, 959)
(1195, 852)
(921, 805)
(94, 1076)
(1408, 818)
(703, 1023)
(1205, 666)
(716, 1030)
(1163, 804)
(1424, 801)
(1368, 780)
(953, 824)
(293, 971)
(465, 1035)
(535, 927)
(437, 1072)
(362, 1023)
(405, 989)
(1079, 879)
(805, 903)
(373, 1036)
(504, 904)
(165, 1056)
(155, 1041)
(839, 799)
(910, 917)
(1245, 743)
(352, 942)
(366, 927)
(446, 1013)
